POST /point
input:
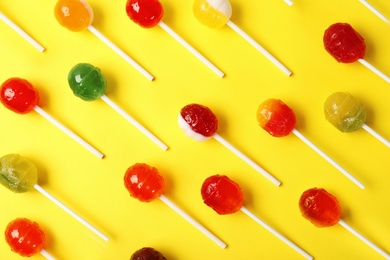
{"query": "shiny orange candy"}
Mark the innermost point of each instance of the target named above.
(320, 207)
(75, 15)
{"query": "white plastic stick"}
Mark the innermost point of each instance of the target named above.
(68, 132)
(376, 135)
(365, 240)
(134, 122)
(246, 159)
(193, 222)
(374, 10)
(191, 49)
(375, 70)
(120, 52)
(276, 233)
(326, 157)
(45, 254)
(21, 32)
(268, 55)
(72, 213)
(289, 2)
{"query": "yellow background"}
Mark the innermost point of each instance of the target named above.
(94, 188)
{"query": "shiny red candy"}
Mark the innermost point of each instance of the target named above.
(144, 182)
(320, 207)
(200, 118)
(25, 237)
(146, 13)
(147, 253)
(222, 194)
(19, 95)
(344, 43)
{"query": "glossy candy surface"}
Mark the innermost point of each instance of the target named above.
(25, 237)
(344, 43)
(19, 95)
(75, 15)
(344, 111)
(87, 82)
(146, 13)
(147, 253)
(213, 13)
(276, 117)
(198, 122)
(144, 182)
(222, 194)
(320, 207)
(17, 173)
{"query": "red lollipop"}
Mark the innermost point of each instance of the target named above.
(200, 123)
(149, 13)
(225, 196)
(146, 184)
(279, 120)
(346, 45)
(26, 238)
(19, 96)
(323, 210)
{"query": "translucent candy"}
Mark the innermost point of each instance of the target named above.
(19, 95)
(213, 13)
(144, 182)
(276, 117)
(146, 13)
(87, 82)
(17, 173)
(344, 43)
(344, 111)
(198, 122)
(222, 194)
(25, 237)
(75, 15)
(147, 253)
(320, 207)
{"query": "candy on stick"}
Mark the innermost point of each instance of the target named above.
(217, 13)
(323, 210)
(147, 253)
(146, 184)
(77, 15)
(225, 196)
(22, 33)
(375, 11)
(88, 83)
(279, 120)
(200, 123)
(26, 238)
(20, 175)
(346, 45)
(149, 13)
(348, 114)
(19, 96)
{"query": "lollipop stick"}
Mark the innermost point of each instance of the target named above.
(275, 233)
(289, 2)
(191, 49)
(68, 132)
(22, 33)
(120, 52)
(45, 254)
(246, 159)
(326, 157)
(376, 135)
(72, 213)
(192, 221)
(134, 122)
(259, 48)
(374, 10)
(365, 240)
(375, 70)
